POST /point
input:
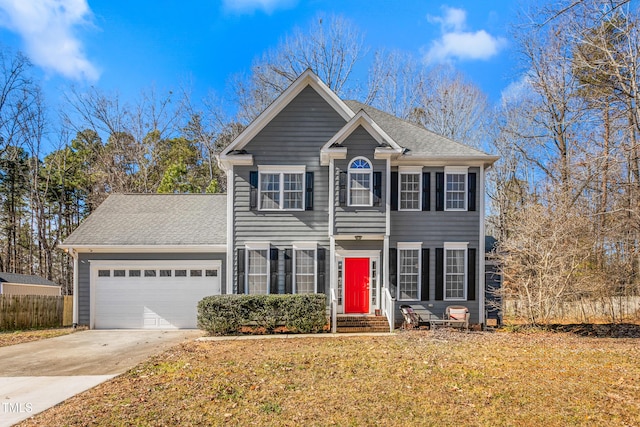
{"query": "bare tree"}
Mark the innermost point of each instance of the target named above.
(451, 106)
(330, 47)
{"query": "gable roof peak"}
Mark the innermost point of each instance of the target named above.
(307, 78)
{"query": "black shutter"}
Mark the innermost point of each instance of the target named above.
(424, 291)
(394, 191)
(253, 191)
(471, 201)
(273, 267)
(439, 274)
(288, 273)
(321, 270)
(439, 191)
(377, 188)
(393, 266)
(342, 188)
(240, 271)
(308, 195)
(471, 274)
(426, 191)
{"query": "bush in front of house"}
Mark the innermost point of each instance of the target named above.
(227, 314)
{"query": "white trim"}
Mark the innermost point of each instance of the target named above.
(95, 265)
(363, 172)
(304, 246)
(439, 161)
(221, 248)
(282, 168)
(76, 285)
(281, 171)
(374, 256)
(480, 291)
(387, 206)
(409, 246)
(457, 170)
(230, 228)
(257, 246)
(410, 170)
(364, 120)
(307, 78)
(456, 246)
(331, 229)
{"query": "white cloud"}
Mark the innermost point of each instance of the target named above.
(456, 43)
(47, 29)
(250, 6)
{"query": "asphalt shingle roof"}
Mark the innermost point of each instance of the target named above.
(418, 141)
(26, 279)
(155, 219)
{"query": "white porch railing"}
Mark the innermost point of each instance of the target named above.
(334, 311)
(388, 308)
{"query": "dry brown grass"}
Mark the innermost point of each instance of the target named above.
(415, 378)
(19, 337)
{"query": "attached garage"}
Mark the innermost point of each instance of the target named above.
(151, 294)
(143, 261)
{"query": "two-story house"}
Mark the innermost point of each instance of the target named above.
(324, 196)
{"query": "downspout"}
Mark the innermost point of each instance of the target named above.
(481, 250)
(75, 257)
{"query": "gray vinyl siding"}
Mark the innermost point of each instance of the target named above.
(359, 220)
(294, 137)
(84, 271)
(434, 228)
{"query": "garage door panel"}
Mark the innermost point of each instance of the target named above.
(151, 302)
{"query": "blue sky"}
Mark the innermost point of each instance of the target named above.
(129, 45)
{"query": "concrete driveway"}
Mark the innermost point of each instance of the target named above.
(37, 375)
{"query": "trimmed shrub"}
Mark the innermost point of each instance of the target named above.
(226, 314)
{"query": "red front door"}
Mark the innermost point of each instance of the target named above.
(356, 285)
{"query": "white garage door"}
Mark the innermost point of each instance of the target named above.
(150, 296)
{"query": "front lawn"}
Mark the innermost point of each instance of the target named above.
(19, 337)
(417, 378)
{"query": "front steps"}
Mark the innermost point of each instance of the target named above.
(347, 324)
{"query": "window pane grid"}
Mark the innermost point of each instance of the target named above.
(409, 270)
(409, 191)
(269, 191)
(292, 191)
(455, 273)
(456, 189)
(305, 271)
(360, 188)
(258, 270)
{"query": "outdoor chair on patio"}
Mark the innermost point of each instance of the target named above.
(411, 318)
(455, 316)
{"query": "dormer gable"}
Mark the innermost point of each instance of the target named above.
(335, 148)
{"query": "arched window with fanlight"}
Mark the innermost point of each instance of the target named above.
(360, 182)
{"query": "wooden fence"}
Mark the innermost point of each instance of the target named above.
(35, 311)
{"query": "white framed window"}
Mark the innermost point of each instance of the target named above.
(455, 271)
(360, 182)
(455, 198)
(304, 267)
(410, 188)
(409, 267)
(281, 187)
(257, 271)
